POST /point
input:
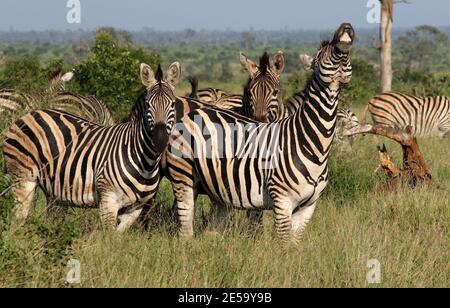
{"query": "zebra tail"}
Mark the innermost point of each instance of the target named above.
(194, 87)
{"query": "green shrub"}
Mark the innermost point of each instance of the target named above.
(422, 84)
(364, 84)
(111, 73)
(29, 74)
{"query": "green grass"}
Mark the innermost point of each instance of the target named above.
(406, 230)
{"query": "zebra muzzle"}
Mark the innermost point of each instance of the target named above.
(160, 137)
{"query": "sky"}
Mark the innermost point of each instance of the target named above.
(240, 15)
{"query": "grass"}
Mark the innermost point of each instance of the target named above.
(406, 230)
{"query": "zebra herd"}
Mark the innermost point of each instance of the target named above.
(252, 151)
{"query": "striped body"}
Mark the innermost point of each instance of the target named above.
(346, 121)
(74, 160)
(215, 150)
(428, 116)
(292, 104)
(230, 102)
(89, 107)
(210, 95)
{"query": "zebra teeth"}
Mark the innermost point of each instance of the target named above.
(345, 38)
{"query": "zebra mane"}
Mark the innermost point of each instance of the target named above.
(159, 74)
(264, 63)
(324, 43)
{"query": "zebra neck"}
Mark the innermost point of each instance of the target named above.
(316, 119)
(139, 138)
(246, 97)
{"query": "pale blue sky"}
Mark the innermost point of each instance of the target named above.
(212, 14)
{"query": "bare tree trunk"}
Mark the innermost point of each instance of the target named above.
(387, 7)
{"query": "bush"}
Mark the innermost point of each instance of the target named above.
(421, 84)
(111, 73)
(364, 84)
(28, 74)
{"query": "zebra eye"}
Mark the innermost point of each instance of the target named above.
(275, 93)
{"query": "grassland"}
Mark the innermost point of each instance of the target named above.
(406, 230)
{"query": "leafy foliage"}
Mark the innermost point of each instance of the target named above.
(423, 48)
(28, 73)
(111, 73)
(422, 84)
(364, 84)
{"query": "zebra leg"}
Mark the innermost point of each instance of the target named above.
(185, 204)
(300, 220)
(23, 192)
(128, 218)
(283, 219)
(109, 210)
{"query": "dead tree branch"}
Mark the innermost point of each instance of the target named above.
(415, 170)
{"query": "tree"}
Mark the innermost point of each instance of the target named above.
(248, 40)
(421, 47)
(227, 74)
(121, 37)
(387, 18)
(111, 73)
(385, 47)
(28, 74)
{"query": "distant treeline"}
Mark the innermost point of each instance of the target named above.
(148, 35)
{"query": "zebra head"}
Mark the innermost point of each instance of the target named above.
(160, 103)
(262, 98)
(332, 63)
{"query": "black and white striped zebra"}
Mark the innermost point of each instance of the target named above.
(85, 164)
(428, 116)
(89, 107)
(217, 151)
(262, 96)
(55, 97)
(222, 100)
(347, 121)
(209, 95)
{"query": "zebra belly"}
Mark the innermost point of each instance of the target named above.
(233, 184)
(75, 186)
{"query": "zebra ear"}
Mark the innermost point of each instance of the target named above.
(278, 63)
(248, 65)
(67, 76)
(174, 74)
(147, 75)
(306, 61)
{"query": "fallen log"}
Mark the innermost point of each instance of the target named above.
(415, 170)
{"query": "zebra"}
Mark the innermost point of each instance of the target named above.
(298, 147)
(209, 95)
(346, 121)
(216, 97)
(90, 107)
(262, 102)
(428, 116)
(264, 84)
(73, 160)
(262, 96)
(56, 97)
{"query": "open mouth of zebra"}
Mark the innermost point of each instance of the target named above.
(345, 42)
(345, 38)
